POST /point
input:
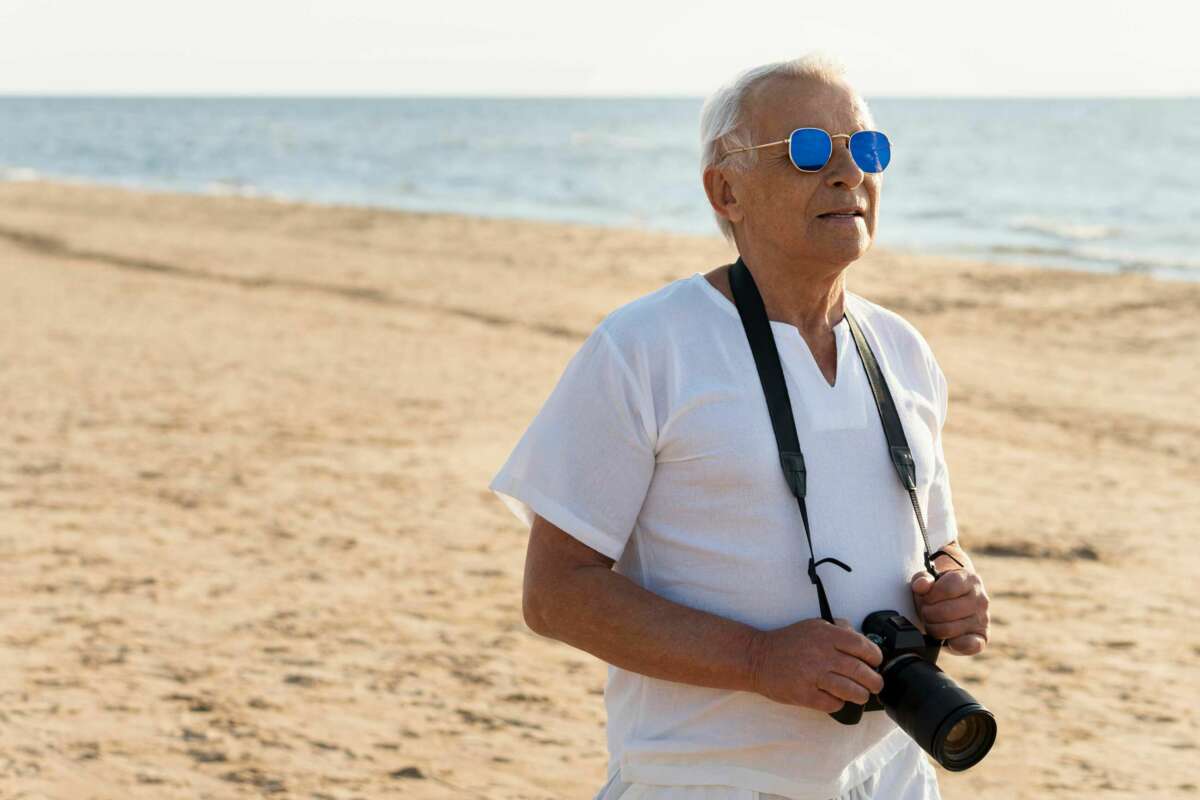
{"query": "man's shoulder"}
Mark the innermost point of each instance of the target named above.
(651, 316)
(671, 313)
(888, 324)
(908, 350)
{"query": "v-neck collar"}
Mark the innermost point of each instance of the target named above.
(789, 332)
(792, 333)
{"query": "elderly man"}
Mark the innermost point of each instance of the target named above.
(664, 536)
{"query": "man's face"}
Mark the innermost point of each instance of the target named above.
(780, 204)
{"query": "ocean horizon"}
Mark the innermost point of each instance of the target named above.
(1058, 182)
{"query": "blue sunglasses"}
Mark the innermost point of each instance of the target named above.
(811, 148)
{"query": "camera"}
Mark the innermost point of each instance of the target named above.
(946, 721)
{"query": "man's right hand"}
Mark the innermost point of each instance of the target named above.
(816, 665)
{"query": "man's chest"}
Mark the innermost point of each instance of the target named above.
(717, 432)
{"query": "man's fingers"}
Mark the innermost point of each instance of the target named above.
(954, 583)
(921, 582)
(858, 672)
(842, 687)
(828, 703)
(859, 646)
(957, 608)
(969, 644)
(950, 630)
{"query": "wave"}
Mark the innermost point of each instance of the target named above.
(19, 174)
(1109, 260)
(939, 213)
(589, 138)
(234, 187)
(1070, 231)
(1140, 262)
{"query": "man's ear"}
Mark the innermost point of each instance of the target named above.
(721, 195)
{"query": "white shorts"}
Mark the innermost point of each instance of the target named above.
(909, 775)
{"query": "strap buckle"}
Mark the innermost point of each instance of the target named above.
(930, 566)
(902, 458)
(813, 564)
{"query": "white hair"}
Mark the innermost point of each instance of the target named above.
(723, 117)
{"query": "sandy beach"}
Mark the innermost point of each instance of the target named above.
(249, 549)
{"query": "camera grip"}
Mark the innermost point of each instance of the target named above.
(848, 714)
(851, 713)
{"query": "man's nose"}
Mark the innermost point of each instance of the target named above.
(841, 169)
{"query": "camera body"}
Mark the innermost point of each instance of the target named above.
(896, 637)
(942, 717)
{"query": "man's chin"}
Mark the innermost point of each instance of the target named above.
(844, 255)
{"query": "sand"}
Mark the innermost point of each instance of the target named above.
(249, 549)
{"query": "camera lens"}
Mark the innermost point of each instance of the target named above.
(931, 708)
(964, 731)
(969, 734)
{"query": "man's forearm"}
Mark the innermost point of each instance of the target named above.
(614, 619)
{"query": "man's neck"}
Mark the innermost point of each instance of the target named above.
(797, 293)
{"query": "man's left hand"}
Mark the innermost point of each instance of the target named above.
(953, 608)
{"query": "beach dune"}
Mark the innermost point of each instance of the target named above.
(249, 549)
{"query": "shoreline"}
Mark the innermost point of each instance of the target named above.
(250, 545)
(1038, 257)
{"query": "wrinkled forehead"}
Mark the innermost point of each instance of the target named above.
(779, 106)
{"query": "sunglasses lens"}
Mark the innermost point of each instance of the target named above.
(871, 150)
(810, 148)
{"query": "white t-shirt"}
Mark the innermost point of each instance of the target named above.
(655, 448)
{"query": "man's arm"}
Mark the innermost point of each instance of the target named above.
(572, 594)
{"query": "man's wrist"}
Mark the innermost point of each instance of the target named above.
(757, 648)
(951, 557)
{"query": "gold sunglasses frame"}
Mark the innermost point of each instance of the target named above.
(831, 136)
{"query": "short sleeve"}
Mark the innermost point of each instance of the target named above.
(586, 460)
(940, 522)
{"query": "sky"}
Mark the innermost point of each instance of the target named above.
(1015, 48)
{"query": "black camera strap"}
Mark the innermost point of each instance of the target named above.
(770, 373)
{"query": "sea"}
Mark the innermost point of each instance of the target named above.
(1107, 185)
